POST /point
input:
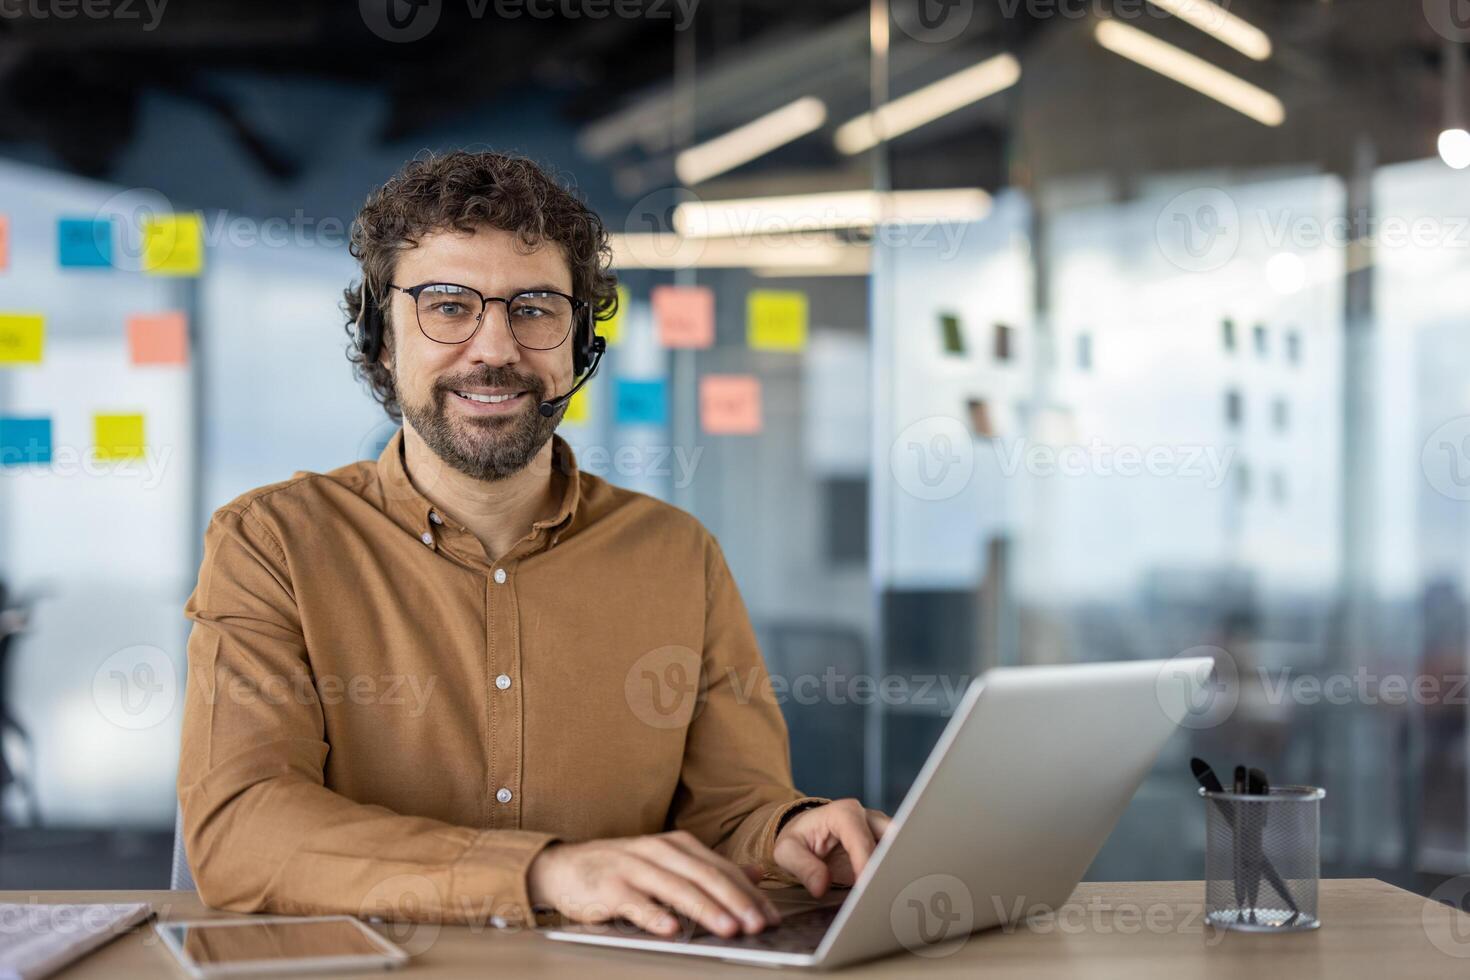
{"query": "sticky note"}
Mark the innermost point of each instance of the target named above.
(25, 440)
(576, 412)
(641, 402)
(173, 245)
(158, 338)
(950, 334)
(684, 316)
(613, 329)
(22, 338)
(4, 243)
(730, 404)
(775, 319)
(118, 436)
(84, 243)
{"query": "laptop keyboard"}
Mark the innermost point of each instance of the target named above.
(799, 932)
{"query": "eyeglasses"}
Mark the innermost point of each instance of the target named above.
(448, 313)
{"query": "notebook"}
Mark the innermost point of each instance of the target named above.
(38, 940)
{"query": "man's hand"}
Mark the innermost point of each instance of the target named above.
(830, 844)
(638, 877)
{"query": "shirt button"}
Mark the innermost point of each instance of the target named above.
(503, 795)
(427, 538)
(434, 516)
(499, 575)
(503, 681)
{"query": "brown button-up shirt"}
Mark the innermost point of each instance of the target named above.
(380, 719)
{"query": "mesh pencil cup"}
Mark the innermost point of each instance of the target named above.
(1262, 859)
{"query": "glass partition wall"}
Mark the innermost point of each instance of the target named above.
(1194, 382)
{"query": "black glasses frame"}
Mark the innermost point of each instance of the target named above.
(578, 306)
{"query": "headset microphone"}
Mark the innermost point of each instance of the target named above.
(548, 408)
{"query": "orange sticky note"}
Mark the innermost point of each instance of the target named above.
(158, 338)
(4, 243)
(684, 316)
(730, 404)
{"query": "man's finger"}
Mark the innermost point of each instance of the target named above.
(851, 828)
(792, 854)
(717, 876)
(878, 822)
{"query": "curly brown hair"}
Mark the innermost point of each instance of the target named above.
(464, 190)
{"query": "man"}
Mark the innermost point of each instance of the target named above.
(467, 681)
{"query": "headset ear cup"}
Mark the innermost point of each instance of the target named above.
(582, 346)
(369, 331)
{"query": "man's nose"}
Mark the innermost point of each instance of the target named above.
(494, 343)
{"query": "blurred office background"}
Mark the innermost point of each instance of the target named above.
(980, 333)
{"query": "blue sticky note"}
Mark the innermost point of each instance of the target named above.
(84, 243)
(641, 403)
(24, 441)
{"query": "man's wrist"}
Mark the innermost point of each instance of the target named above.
(801, 807)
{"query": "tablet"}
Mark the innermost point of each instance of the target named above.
(277, 944)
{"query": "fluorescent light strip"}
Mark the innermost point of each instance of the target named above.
(1195, 73)
(927, 104)
(765, 217)
(1221, 25)
(668, 251)
(756, 138)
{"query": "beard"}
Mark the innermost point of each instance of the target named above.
(485, 448)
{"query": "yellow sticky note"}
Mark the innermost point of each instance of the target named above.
(613, 329)
(22, 338)
(173, 245)
(775, 319)
(118, 436)
(576, 412)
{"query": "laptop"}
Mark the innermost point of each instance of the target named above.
(1025, 784)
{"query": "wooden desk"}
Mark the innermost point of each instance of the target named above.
(1134, 929)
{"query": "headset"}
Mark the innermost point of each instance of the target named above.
(587, 347)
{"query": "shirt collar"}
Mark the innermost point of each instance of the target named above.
(403, 502)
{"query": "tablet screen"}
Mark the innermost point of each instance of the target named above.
(216, 944)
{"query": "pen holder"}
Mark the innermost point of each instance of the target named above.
(1262, 859)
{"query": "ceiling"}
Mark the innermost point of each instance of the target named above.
(1344, 68)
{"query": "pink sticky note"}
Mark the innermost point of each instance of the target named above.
(730, 404)
(4, 243)
(684, 315)
(158, 338)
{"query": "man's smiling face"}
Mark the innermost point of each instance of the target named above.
(475, 404)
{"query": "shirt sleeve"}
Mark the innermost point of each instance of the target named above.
(735, 785)
(262, 831)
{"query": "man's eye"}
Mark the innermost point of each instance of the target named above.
(530, 312)
(449, 308)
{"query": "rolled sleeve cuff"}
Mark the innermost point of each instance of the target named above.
(765, 845)
(496, 866)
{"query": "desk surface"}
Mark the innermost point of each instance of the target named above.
(1135, 929)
